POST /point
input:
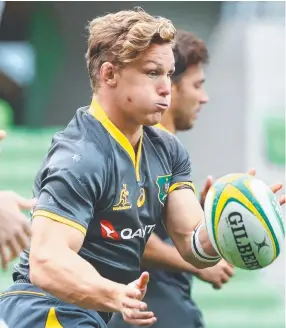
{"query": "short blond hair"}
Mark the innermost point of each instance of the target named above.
(121, 37)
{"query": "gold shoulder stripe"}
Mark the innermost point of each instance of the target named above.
(179, 184)
(19, 292)
(61, 219)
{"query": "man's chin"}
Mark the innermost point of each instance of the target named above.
(153, 119)
(185, 126)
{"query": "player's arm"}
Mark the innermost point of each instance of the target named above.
(57, 268)
(71, 186)
(183, 214)
(161, 255)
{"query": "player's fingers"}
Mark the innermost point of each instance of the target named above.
(217, 285)
(282, 200)
(140, 322)
(2, 134)
(133, 292)
(252, 172)
(23, 237)
(143, 280)
(131, 314)
(14, 248)
(133, 303)
(4, 255)
(224, 278)
(276, 187)
(24, 203)
(208, 184)
(229, 270)
(206, 188)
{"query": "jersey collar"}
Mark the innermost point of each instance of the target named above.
(97, 112)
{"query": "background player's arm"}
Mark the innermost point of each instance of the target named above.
(161, 255)
(56, 267)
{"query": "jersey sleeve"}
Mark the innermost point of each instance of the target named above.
(71, 184)
(181, 168)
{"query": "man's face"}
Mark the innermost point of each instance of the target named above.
(188, 96)
(143, 90)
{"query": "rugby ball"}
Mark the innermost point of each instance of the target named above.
(244, 221)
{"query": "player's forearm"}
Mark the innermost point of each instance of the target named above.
(200, 246)
(72, 279)
(161, 255)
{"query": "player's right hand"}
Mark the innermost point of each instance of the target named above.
(14, 228)
(134, 311)
(218, 274)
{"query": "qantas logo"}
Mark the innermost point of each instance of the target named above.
(108, 231)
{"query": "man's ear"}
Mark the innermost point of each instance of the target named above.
(108, 74)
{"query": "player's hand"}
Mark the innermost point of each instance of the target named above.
(2, 134)
(275, 187)
(218, 274)
(14, 228)
(205, 190)
(134, 311)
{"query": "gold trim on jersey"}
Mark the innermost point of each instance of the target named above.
(97, 111)
(19, 292)
(61, 219)
(179, 184)
(161, 127)
(52, 320)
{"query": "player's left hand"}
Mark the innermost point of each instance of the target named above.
(275, 187)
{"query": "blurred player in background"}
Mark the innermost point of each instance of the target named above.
(2, 6)
(14, 228)
(168, 294)
(98, 200)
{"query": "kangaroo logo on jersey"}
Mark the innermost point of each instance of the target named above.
(163, 183)
(107, 230)
(123, 203)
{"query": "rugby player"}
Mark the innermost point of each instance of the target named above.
(104, 184)
(168, 294)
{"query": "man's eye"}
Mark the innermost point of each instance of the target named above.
(153, 74)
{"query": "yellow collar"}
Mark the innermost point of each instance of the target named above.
(97, 112)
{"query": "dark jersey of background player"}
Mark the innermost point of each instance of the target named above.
(116, 205)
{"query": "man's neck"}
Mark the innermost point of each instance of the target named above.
(129, 129)
(168, 122)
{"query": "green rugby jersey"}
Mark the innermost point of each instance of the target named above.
(93, 181)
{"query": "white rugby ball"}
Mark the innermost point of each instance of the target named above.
(244, 221)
